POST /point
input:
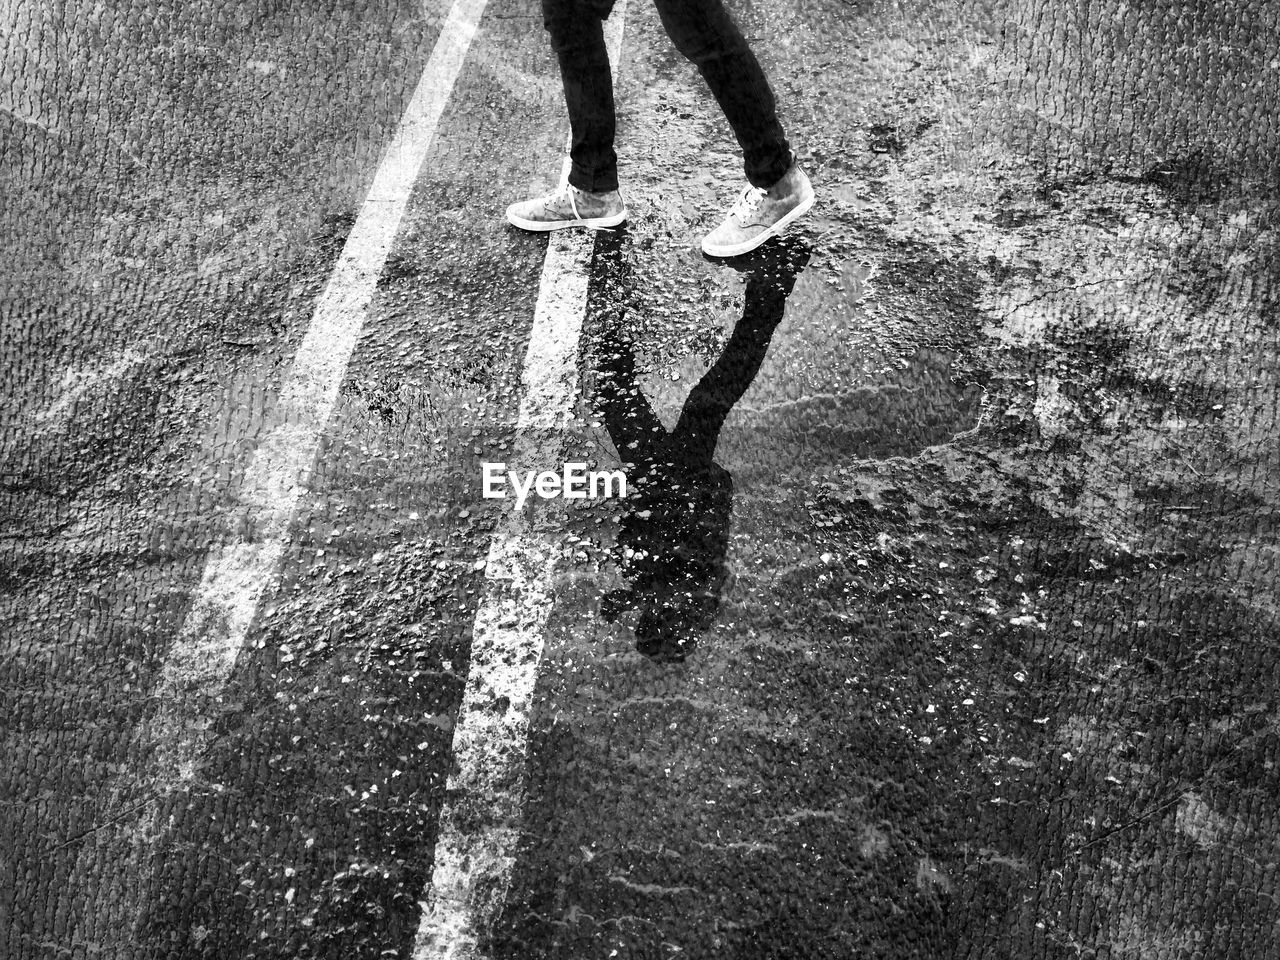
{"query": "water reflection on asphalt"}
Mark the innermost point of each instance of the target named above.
(675, 530)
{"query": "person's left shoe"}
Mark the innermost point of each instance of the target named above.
(760, 214)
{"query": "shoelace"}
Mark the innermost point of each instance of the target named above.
(747, 202)
(571, 190)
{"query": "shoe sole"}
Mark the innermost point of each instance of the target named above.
(737, 250)
(545, 226)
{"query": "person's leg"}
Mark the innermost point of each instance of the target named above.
(577, 37)
(591, 198)
(704, 32)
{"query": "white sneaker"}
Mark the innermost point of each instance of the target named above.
(760, 214)
(568, 207)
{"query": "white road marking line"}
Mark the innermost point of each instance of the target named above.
(236, 575)
(481, 818)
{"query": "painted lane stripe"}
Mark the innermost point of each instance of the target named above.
(481, 819)
(237, 574)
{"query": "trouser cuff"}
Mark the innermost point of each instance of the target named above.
(597, 181)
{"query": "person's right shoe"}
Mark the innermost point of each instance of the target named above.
(760, 214)
(568, 207)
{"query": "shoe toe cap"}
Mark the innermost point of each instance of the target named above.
(728, 238)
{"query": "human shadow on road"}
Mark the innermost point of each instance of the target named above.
(675, 530)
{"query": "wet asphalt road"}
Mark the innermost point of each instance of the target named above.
(955, 559)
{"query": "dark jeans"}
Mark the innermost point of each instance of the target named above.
(702, 31)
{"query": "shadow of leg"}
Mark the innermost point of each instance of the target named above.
(674, 535)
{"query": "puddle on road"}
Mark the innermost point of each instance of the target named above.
(862, 366)
(803, 380)
(916, 406)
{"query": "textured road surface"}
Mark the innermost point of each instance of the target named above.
(960, 504)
